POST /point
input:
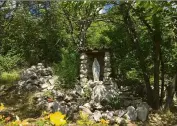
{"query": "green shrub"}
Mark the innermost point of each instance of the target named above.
(67, 69)
(114, 102)
(84, 120)
(9, 62)
(9, 77)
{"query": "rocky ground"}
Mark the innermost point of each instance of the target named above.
(38, 91)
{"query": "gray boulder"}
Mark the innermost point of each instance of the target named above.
(97, 115)
(131, 113)
(85, 110)
(56, 106)
(142, 111)
(98, 93)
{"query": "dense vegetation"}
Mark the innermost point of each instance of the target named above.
(141, 35)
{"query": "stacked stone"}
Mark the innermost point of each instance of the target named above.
(107, 67)
(37, 78)
(83, 69)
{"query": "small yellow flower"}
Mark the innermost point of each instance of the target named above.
(2, 107)
(57, 119)
(104, 121)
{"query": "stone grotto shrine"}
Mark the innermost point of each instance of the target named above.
(95, 74)
(91, 58)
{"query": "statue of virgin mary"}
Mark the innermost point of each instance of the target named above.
(96, 70)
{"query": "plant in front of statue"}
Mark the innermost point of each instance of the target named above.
(114, 102)
(87, 92)
(84, 120)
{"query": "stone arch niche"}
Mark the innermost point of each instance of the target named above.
(86, 62)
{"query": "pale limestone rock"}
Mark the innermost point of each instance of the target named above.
(131, 113)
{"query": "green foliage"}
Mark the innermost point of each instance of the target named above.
(48, 94)
(96, 37)
(67, 69)
(9, 77)
(114, 102)
(133, 74)
(87, 92)
(36, 38)
(84, 120)
(42, 122)
(9, 62)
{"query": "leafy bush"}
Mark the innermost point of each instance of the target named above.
(67, 69)
(115, 102)
(9, 62)
(9, 77)
(84, 120)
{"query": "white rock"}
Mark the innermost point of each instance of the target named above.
(106, 58)
(39, 64)
(68, 98)
(110, 115)
(53, 80)
(142, 111)
(83, 81)
(33, 68)
(131, 113)
(85, 110)
(83, 56)
(45, 85)
(82, 76)
(98, 93)
(50, 87)
(53, 106)
(87, 105)
(83, 61)
(97, 116)
(83, 71)
(119, 120)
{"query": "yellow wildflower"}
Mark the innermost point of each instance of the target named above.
(104, 121)
(57, 119)
(2, 107)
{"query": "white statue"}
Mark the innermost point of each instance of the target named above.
(96, 70)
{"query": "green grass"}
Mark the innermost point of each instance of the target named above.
(9, 77)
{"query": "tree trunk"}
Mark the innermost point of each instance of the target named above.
(162, 78)
(156, 44)
(156, 73)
